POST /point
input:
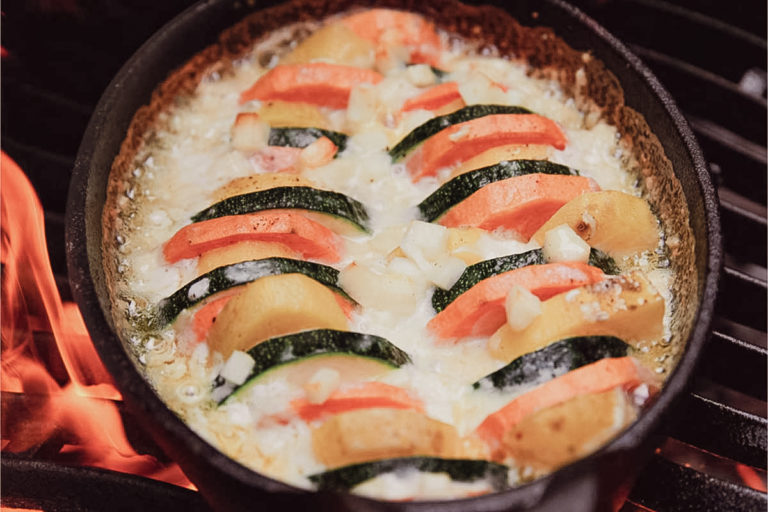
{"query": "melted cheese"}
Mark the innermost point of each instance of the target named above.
(191, 156)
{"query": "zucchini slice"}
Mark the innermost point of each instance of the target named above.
(555, 359)
(473, 274)
(326, 202)
(460, 470)
(464, 185)
(439, 73)
(236, 274)
(604, 262)
(297, 137)
(301, 347)
(434, 125)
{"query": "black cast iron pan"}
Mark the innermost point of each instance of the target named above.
(598, 482)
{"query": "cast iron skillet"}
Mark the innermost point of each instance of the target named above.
(597, 482)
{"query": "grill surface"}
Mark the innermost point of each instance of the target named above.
(711, 56)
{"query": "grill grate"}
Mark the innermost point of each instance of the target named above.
(711, 56)
(702, 57)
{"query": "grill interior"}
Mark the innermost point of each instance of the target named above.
(710, 55)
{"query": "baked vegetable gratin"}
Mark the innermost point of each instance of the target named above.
(376, 253)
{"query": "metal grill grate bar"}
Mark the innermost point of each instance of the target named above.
(746, 14)
(727, 430)
(736, 359)
(734, 109)
(697, 39)
(667, 486)
(742, 206)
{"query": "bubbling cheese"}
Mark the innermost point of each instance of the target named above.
(191, 154)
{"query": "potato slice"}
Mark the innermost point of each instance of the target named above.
(273, 306)
(369, 434)
(333, 43)
(243, 251)
(612, 221)
(497, 154)
(294, 114)
(627, 307)
(257, 182)
(555, 436)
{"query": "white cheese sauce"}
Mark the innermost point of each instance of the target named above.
(190, 156)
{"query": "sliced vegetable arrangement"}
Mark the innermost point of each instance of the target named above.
(236, 274)
(603, 375)
(461, 187)
(440, 123)
(327, 85)
(363, 396)
(553, 360)
(325, 202)
(302, 137)
(461, 141)
(395, 274)
(296, 349)
(311, 239)
(480, 310)
(478, 272)
(520, 204)
(461, 470)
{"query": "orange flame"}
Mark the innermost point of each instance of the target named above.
(77, 406)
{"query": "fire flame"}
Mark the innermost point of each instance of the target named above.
(56, 395)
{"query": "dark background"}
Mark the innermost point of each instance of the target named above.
(59, 55)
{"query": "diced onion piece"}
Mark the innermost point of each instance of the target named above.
(404, 267)
(368, 141)
(446, 271)
(237, 368)
(249, 133)
(320, 386)
(420, 75)
(522, 308)
(424, 241)
(363, 105)
(318, 153)
(382, 291)
(221, 392)
(387, 239)
(563, 244)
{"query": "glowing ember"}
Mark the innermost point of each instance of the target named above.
(56, 395)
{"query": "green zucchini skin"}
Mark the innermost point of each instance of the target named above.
(305, 198)
(439, 73)
(604, 262)
(434, 125)
(461, 470)
(291, 348)
(473, 274)
(302, 137)
(555, 359)
(464, 185)
(236, 274)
